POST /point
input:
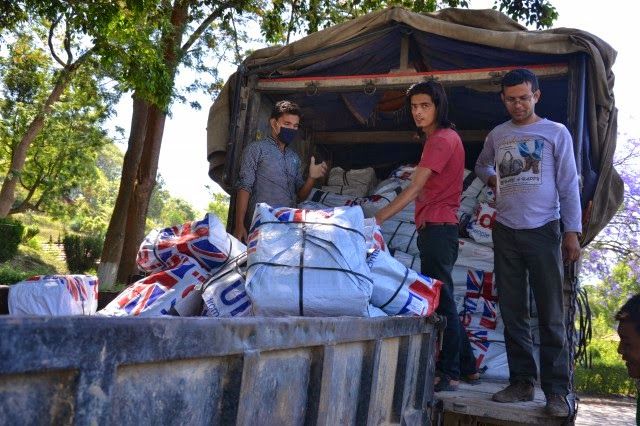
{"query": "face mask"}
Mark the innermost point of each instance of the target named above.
(287, 135)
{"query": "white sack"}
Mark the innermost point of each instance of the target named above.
(474, 255)
(206, 241)
(370, 205)
(357, 182)
(225, 295)
(401, 236)
(480, 227)
(308, 262)
(373, 236)
(398, 290)
(411, 261)
(54, 295)
(158, 293)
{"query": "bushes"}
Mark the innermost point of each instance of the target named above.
(82, 252)
(607, 373)
(11, 231)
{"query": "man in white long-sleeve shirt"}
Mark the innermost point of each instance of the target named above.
(529, 162)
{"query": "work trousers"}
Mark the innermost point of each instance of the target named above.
(531, 258)
(438, 247)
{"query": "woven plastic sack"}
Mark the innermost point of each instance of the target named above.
(373, 236)
(158, 293)
(225, 295)
(370, 205)
(411, 261)
(206, 241)
(356, 182)
(308, 262)
(398, 290)
(54, 295)
(480, 227)
(401, 236)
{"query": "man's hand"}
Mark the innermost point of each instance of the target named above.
(317, 170)
(570, 247)
(240, 232)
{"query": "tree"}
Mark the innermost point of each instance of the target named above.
(220, 207)
(619, 241)
(286, 17)
(62, 79)
(188, 19)
(62, 157)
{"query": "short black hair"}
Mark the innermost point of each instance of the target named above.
(285, 107)
(519, 76)
(438, 96)
(630, 311)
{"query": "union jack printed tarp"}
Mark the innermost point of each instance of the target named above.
(156, 294)
(206, 241)
(54, 295)
(398, 290)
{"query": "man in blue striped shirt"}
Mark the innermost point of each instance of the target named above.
(271, 171)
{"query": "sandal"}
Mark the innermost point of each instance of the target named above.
(444, 385)
(471, 379)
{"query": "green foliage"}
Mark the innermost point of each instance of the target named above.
(9, 275)
(607, 374)
(540, 13)
(607, 296)
(165, 210)
(29, 233)
(11, 231)
(220, 207)
(82, 252)
(63, 156)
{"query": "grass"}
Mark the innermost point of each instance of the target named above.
(607, 374)
(32, 258)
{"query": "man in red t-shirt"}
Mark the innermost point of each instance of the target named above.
(436, 186)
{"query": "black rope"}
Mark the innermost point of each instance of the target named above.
(406, 274)
(394, 234)
(317, 196)
(321, 268)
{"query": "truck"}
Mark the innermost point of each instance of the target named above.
(350, 81)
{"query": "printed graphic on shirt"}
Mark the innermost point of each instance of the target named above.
(519, 164)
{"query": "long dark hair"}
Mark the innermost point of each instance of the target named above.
(438, 96)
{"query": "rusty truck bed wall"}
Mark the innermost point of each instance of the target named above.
(192, 371)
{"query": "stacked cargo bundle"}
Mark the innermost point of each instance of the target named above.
(180, 261)
(297, 267)
(473, 279)
(357, 182)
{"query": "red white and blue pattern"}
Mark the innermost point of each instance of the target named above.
(55, 295)
(205, 241)
(481, 297)
(156, 294)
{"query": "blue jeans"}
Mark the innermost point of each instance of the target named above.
(438, 247)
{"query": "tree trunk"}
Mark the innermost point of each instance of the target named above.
(139, 204)
(148, 167)
(19, 154)
(114, 238)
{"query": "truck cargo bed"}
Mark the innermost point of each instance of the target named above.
(207, 371)
(472, 405)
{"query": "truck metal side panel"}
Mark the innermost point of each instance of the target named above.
(197, 371)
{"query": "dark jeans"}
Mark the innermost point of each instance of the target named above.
(536, 252)
(438, 252)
